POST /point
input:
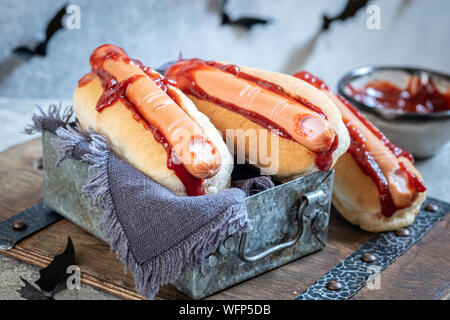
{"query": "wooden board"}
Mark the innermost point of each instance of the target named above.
(422, 273)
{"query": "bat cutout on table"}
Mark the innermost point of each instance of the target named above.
(40, 49)
(29, 292)
(56, 272)
(244, 22)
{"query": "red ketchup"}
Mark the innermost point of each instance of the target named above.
(186, 81)
(363, 157)
(324, 160)
(114, 90)
(234, 70)
(417, 97)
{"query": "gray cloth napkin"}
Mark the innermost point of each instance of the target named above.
(155, 233)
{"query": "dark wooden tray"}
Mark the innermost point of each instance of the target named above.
(422, 273)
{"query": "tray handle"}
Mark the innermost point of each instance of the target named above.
(306, 200)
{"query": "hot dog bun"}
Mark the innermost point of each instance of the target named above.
(357, 198)
(297, 155)
(361, 205)
(376, 185)
(135, 143)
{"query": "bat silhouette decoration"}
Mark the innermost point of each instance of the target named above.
(244, 22)
(300, 55)
(351, 9)
(51, 276)
(40, 49)
(29, 292)
(56, 272)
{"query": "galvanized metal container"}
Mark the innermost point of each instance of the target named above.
(289, 222)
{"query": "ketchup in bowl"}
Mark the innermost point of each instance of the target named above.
(420, 96)
(409, 105)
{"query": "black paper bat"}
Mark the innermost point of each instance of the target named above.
(244, 22)
(299, 56)
(29, 292)
(350, 10)
(41, 48)
(56, 272)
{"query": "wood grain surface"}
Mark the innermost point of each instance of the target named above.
(422, 273)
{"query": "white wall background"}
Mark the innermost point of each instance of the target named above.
(413, 32)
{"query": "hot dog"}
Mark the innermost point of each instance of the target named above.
(151, 124)
(312, 134)
(376, 185)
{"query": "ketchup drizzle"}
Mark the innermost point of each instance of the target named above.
(114, 90)
(324, 160)
(362, 156)
(118, 54)
(369, 166)
(186, 82)
(397, 151)
(234, 70)
(413, 181)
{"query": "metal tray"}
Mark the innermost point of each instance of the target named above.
(289, 222)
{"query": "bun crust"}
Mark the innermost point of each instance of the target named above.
(357, 198)
(137, 145)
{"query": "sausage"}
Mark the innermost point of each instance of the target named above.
(304, 125)
(402, 195)
(197, 153)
